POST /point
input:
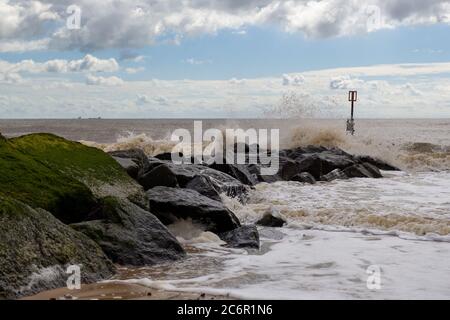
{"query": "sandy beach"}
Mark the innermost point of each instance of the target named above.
(118, 291)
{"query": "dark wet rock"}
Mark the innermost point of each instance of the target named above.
(226, 184)
(269, 178)
(374, 171)
(130, 235)
(137, 156)
(300, 152)
(310, 163)
(242, 237)
(36, 249)
(320, 162)
(304, 177)
(269, 220)
(237, 171)
(331, 161)
(336, 174)
(169, 156)
(154, 162)
(204, 186)
(130, 166)
(170, 204)
(380, 164)
(160, 176)
(222, 182)
(358, 171)
(288, 169)
(241, 147)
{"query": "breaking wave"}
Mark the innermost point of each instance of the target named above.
(131, 140)
(399, 151)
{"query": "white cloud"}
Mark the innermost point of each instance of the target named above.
(293, 79)
(134, 70)
(142, 99)
(23, 46)
(127, 55)
(345, 82)
(10, 77)
(194, 62)
(237, 81)
(240, 32)
(88, 64)
(388, 95)
(103, 81)
(133, 24)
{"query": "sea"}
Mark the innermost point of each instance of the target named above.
(347, 239)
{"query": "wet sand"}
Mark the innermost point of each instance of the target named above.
(118, 291)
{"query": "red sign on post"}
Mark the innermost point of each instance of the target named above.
(353, 96)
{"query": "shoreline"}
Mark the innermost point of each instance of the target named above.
(113, 290)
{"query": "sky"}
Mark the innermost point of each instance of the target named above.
(224, 59)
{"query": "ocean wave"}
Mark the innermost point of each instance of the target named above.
(411, 206)
(130, 140)
(399, 151)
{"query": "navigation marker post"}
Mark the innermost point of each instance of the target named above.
(352, 97)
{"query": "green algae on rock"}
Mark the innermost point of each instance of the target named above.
(36, 248)
(61, 176)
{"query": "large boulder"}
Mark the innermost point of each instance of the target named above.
(336, 174)
(160, 176)
(170, 204)
(288, 168)
(130, 235)
(358, 171)
(242, 237)
(137, 156)
(63, 177)
(131, 167)
(221, 182)
(335, 159)
(270, 220)
(203, 185)
(373, 170)
(304, 177)
(36, 249)
(324, 163)
(310, 163)
(380, 164)
(237, 171)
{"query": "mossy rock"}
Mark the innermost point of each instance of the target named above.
(63, 177)
(36, 248)
(130, 235)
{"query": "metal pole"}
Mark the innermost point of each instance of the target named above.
(352, 108)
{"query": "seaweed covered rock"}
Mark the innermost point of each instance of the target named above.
(170, 204)
(63, 177)
(36, 248)
(130, 235)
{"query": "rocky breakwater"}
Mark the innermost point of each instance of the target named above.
(193, 191)
(63, 204)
